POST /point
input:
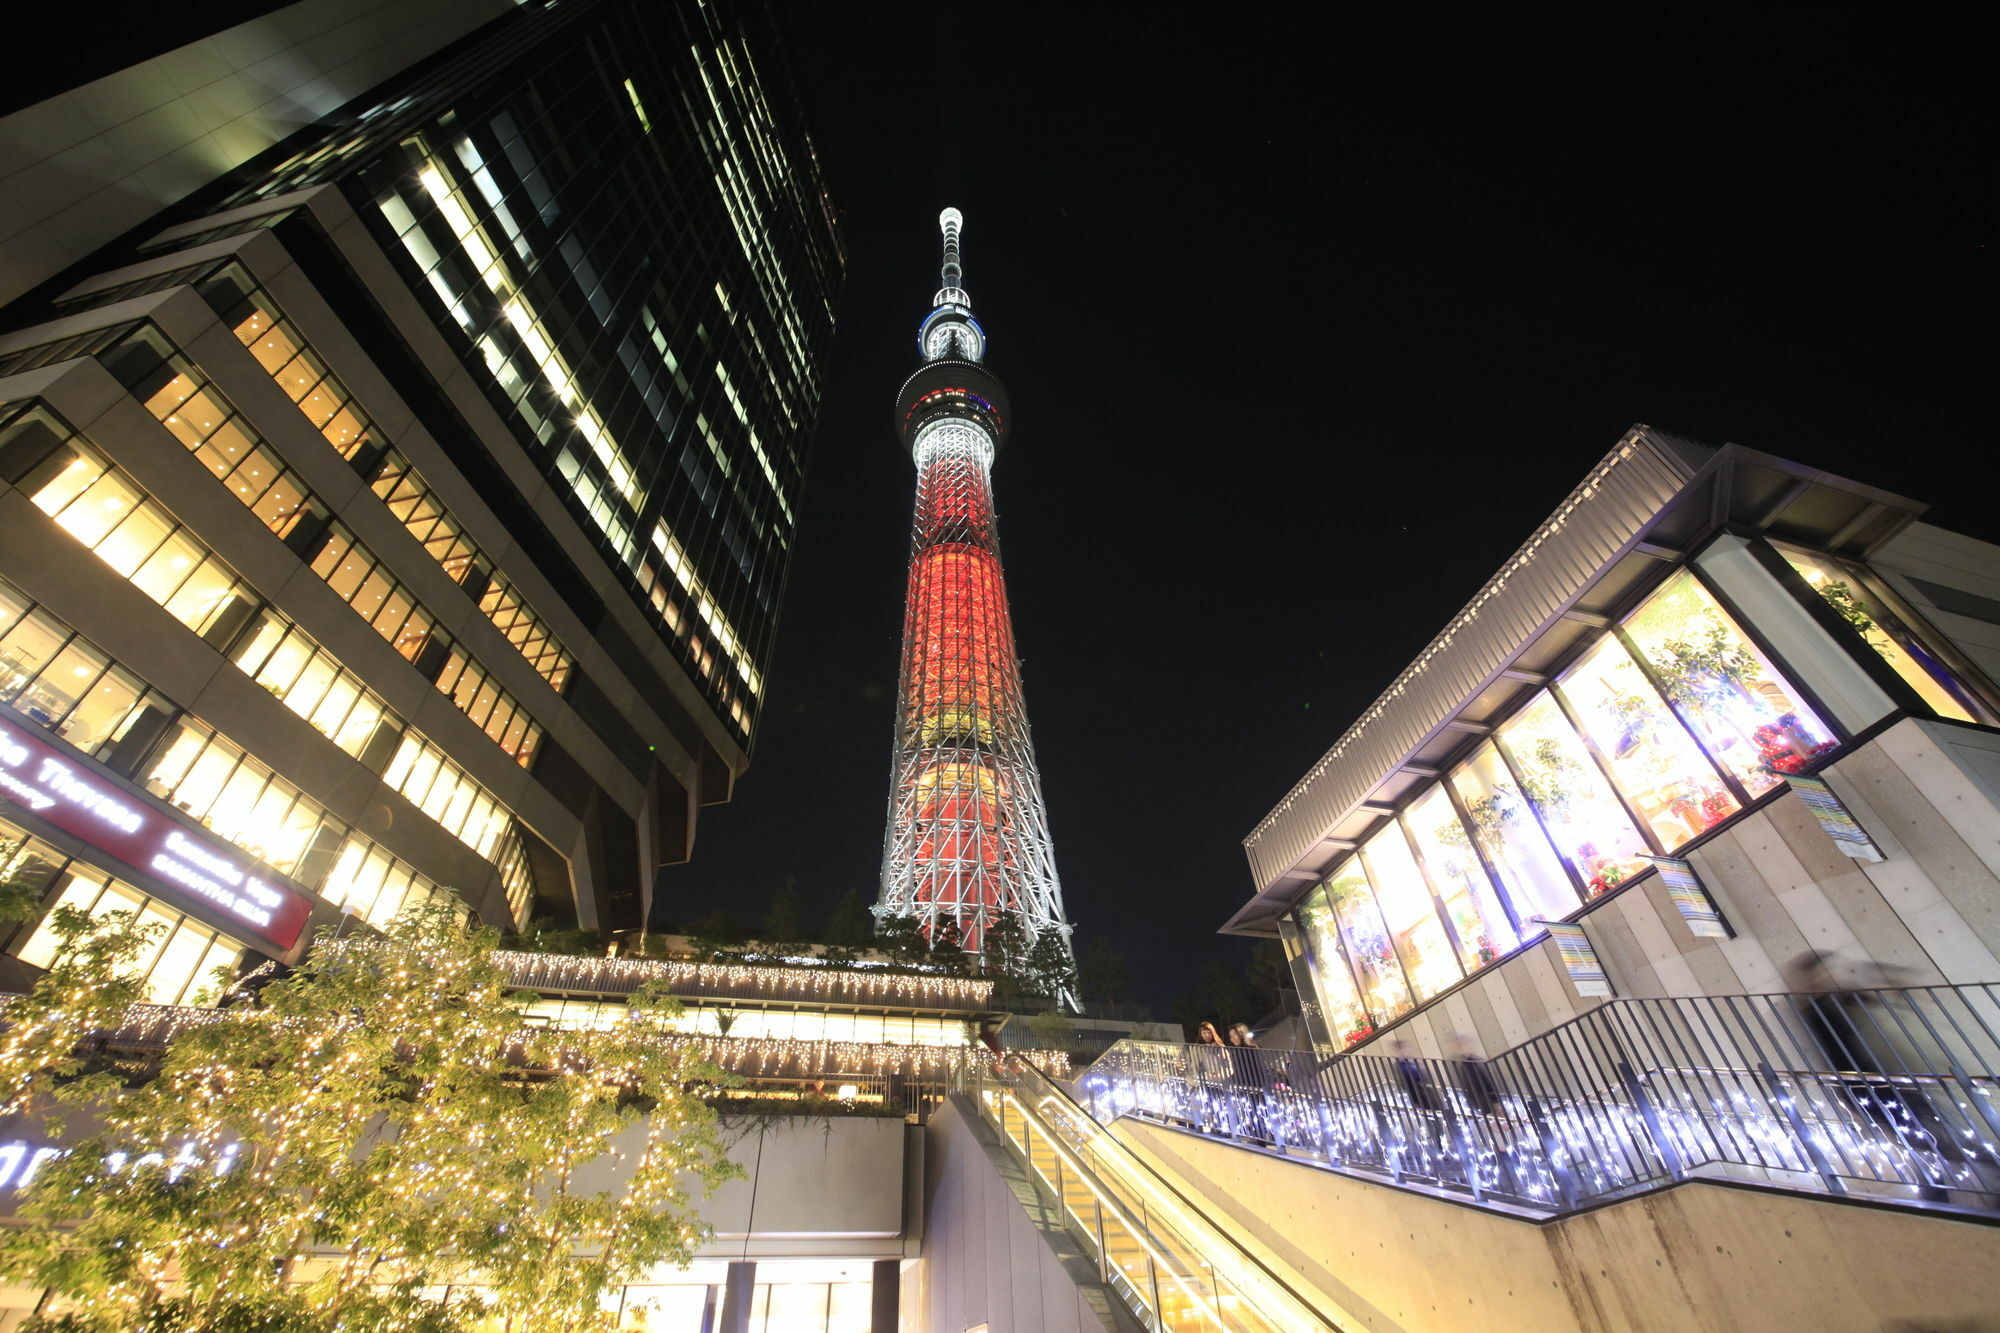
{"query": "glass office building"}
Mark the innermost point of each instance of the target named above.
(407, 512)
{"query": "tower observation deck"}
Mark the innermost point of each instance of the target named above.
(968, 834)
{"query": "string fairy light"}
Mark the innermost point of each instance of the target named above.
(617, 976)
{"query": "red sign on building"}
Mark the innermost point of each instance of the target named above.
(176, 852)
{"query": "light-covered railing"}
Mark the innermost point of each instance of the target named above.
(1892, 1095)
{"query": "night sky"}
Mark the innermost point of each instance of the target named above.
(1306, 329)
(1309, 319)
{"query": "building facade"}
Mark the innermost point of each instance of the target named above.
(838, 1071)
(407, 512)
(1724, 726)
(968, 834)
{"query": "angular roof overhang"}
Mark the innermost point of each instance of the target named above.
(1650, 499)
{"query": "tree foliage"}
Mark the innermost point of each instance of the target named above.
(947, 949)
(1050, 970)
(1219, 997)
(380, 1123)
(902, 939)
(849, 928)
(717, 934)
(785, 932)
(1102, 972)
(1003, 952)
(87, 989)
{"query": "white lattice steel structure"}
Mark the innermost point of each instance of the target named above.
(968, 831)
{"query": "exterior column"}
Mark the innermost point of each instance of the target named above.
(886, 1313)
(737, 1290)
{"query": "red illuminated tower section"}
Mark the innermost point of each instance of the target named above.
(968, 832)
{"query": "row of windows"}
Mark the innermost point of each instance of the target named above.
(221, 231)
(517, 873)
(69, 686)
(377, 886)
(305, 378)
(447, 793)
(494, 711)
(767, 1024)
(142, 286)
(185, 962)
(419, 510)
(105, 511)
(195, 413)
(66, 684)
(308, 680)
(198, 415)
(349, 568)
(267, 647)
(102, 508)
(362, 579)
(62, 681)
(1667, 725)
(213, 780)
(521, 354)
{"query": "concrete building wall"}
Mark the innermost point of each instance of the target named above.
(1927, 564)
(84, 167)
(1697, 1258)
(1928, 914)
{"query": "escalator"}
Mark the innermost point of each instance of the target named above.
(1176, 1269)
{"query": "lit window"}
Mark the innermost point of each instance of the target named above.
(1749, 717)
(1383, 990)
(638, 107)
(1656, 764)
(1407, 910)
(1876, 617)
(1339, 1002)
(1472, 908)
(1511, 837)
(1578, 809)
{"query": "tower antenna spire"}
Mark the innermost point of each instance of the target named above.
(953, 293)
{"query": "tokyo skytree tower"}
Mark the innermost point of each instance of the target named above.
(968, 831)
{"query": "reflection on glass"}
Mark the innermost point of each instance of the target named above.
(1872, 613)
(178, 964)
(1655, 763)
(1410, 914)
(1577, 806)
(1384, 993)
(1346, 1020)
(1747, 715)
(1512, 840)
(1471, 906)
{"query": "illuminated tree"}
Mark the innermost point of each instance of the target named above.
(86, 989)
(380, 1123)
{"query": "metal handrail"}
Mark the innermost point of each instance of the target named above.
(1893, 1094)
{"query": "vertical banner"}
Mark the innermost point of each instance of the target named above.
(1586, 974)
(1835, 819)
(1691, 898)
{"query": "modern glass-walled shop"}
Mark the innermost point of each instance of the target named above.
(1666, 724)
